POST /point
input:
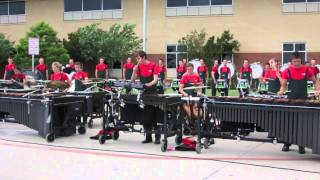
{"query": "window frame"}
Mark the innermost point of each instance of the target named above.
(8, 10)
(294, 50)
(198, 6)
(175, 53)
(102, 9)
(306, 1)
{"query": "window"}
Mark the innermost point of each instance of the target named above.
(289, 48)
(199, 2)
(177, 3)
(180, 3)
(111, 4)
(72, 5)
(12, 7)
(221, 2)
(91, 5)
(175, 53)
(299, 1)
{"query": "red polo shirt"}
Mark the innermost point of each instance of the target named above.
(225, 69)
(10, 67)
(80, 75)
(128, 66)
(247, 69)
(214, 69)
(314, 70)
(147, 70)
(297, 73)
(203, 69)
(101, 67)
(59, 77)
(19, 76)
(190, 78)
(181, 68)
(41, 67)
(162, 69)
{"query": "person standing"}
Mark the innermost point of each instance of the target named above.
(215, 77)
(181, 69)
(101, 70)
(314, 68)
(148, 74)
(225, 74)
(128, 69)
(246, 73)
(9, 69)
(297, 76)
(42, 70)
(203, 73)
(161, 76)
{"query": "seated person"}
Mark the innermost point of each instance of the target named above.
(18, 78)
(190, 79)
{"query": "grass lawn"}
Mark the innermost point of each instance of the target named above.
(232, 92)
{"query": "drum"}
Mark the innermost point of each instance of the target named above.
(310, 87)
(231, 66)
(175, 84)
(257, 70)
(243, 84)
(263, 87)
(160, 83)
(222, 84)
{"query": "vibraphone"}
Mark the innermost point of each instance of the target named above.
(52, 115)
(130, 108)
(291, 121)
(94, 105)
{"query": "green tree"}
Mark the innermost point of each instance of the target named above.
(85, 43)
(218, 48)
(6, 48)
(194, 42)
(51, 47)
(90, 42)
(226, 44)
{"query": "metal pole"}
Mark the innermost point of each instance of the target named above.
(33, 63)
(145, 25)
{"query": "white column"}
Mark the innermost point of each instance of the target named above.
(145, 25)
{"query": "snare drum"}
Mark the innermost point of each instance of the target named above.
(222, 84)
(175, 84)
(243, 84)
(263, 87)
(310, 87)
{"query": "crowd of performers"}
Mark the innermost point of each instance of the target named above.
(295, 77)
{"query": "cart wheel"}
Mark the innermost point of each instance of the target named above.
(198, 148)
(206, 143)
(90, 124)
(102, 139)
(164, 147)
(50, 137)
(81, 130)
(178, 139)
(115, 135)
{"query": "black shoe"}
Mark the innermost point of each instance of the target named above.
(157, 139)
(302, 150)
(286, 147)
(148, 139)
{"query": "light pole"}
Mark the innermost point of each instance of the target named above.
(145, 24)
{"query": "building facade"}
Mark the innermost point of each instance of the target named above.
(265, 28)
